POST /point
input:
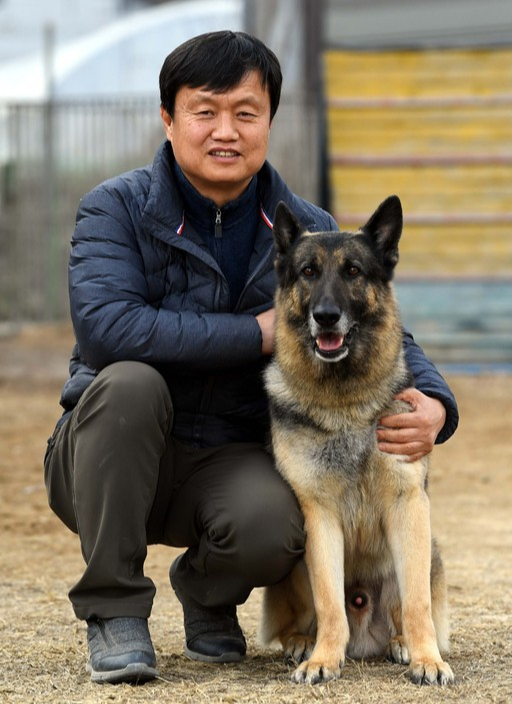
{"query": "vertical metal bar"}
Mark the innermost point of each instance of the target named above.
(50, 173)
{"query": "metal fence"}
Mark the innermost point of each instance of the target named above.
(51, 154)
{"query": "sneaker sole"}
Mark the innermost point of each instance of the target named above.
(135, 672)
(225, 657)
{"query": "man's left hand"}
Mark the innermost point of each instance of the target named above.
(412, 434)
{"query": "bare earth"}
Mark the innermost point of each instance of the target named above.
(43, 647)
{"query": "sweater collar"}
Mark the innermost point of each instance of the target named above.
(200, 210)
(165, 200)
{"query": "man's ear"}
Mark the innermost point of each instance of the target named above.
(167, 122)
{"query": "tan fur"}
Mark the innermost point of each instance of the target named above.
(367, 520)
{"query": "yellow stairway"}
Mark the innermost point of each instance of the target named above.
(434, 127)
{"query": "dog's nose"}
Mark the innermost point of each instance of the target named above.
(326, 314)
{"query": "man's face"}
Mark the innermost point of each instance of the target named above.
(220, 140)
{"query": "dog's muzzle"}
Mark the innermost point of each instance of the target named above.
(332, 333)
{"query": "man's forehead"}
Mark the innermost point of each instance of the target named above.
(249, 88)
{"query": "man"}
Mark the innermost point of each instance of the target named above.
(164, 432)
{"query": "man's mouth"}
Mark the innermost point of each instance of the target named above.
(223, 153)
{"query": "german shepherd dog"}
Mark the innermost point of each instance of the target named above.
(374, 583)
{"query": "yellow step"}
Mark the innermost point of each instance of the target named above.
(443, 72)
(475, 190)
(410, 131)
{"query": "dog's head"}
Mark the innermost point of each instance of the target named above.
(332, 286)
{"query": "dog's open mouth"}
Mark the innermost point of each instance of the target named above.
(329, 342)
(332, 346)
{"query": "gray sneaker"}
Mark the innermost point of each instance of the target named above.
(120, 650)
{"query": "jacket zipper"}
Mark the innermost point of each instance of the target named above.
(218, 224)
(199, 424)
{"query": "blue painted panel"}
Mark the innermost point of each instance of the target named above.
(460, 322)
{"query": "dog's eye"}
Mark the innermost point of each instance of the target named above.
(308, 271)
(353, 270)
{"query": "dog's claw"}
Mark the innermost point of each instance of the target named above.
(298, 648)
(396, 651)
(429, 673)
(310, 672)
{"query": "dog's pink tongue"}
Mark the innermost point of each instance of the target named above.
(329, 342)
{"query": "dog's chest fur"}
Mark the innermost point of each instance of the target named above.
(343, 473)
(342, 453)
(332, 459)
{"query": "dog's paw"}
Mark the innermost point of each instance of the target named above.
(312, 672)
(298, 648)
(431, 673)
(396, 651)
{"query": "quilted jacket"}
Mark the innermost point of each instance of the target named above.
(144, 286)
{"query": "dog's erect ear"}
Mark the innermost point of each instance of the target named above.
(385, 228)
(286, 228)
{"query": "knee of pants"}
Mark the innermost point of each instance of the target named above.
(133, 392)
(262, 539)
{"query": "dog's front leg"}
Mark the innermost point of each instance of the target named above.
(324, 560)
(408, 527)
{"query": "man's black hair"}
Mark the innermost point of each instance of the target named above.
(219, 61)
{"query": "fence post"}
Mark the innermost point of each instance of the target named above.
(49, 172)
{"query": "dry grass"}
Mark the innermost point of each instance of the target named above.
(43, 648)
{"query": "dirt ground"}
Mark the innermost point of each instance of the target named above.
(43, 647)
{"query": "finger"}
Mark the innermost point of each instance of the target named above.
(399, 435)
(411, 452)
(400, 420)
(410, 395)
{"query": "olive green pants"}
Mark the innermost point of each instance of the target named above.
(115, 475)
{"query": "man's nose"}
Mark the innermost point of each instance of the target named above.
(225, 127)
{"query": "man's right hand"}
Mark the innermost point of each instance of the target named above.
(266, 321)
